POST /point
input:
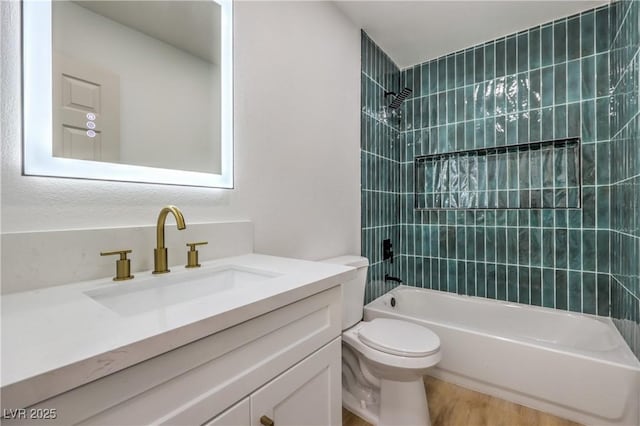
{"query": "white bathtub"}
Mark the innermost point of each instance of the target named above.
(575, 366)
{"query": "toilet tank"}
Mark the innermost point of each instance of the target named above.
(352, 291)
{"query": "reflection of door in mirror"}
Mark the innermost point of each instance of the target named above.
(165, 59)
(86, 112)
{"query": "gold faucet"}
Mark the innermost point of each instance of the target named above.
(160, 253)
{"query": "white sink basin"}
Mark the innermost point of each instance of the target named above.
(159, 291)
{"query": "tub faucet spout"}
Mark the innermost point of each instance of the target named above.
(388, 277)
(160, 256)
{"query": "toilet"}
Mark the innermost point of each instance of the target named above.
(383, 360)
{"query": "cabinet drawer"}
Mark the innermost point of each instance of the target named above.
(194, 383)
(238, 415)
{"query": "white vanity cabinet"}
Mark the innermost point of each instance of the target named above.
(284, 364)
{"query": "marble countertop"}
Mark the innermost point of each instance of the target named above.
(59, 338)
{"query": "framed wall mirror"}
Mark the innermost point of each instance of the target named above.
(134, 91)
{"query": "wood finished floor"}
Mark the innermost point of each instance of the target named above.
(452, 405)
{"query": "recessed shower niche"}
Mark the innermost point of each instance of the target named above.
(534, 175)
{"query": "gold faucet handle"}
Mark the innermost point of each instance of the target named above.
(123, 266)
(193, 245)
(192, 254)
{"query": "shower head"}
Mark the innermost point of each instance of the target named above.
(397, 101)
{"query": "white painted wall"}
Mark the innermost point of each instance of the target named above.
(297, 88)
(169, 98)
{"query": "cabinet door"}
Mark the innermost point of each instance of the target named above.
(238, 415)
(307, 394)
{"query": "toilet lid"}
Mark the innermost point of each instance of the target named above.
(399, 337)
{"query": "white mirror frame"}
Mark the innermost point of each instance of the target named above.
(38, 159)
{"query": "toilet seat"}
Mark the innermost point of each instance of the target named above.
(403, 364)
(398, 337)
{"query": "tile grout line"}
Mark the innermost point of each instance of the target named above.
(613, 277)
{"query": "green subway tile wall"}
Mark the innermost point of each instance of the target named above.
(546, 83)
(379, 156)
(576, 77)
(625, 171)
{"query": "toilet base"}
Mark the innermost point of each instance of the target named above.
(368, 412)
(403, 404)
